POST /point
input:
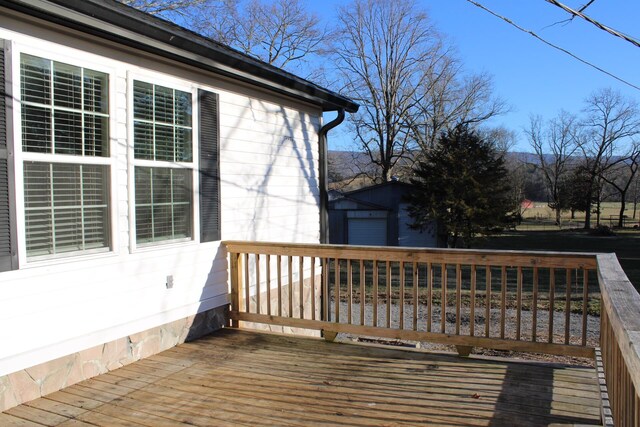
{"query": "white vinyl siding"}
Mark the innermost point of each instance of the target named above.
(65, 118)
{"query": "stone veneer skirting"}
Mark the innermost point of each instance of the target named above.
(40, 380)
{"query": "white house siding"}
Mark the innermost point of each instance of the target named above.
(269, 191)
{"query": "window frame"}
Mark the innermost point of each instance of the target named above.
(156, 78)
(89, 61)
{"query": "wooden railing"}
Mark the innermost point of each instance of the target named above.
(620, 341)
(535, 302)
(546, 302)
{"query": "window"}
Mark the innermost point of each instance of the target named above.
(65, 145)
(163, 152)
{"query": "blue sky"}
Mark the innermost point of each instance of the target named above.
(530, 76)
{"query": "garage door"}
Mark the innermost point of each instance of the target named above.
(367, 231)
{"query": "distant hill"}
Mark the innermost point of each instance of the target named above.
(347, 164)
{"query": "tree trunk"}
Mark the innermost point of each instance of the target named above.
(623, 205)
(386, 174)
(587, 216)
(559, 217)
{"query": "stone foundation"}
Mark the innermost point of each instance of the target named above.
(285, 307)
(40, 380)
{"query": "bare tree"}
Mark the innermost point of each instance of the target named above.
(502, 138)
(621, 175)
(410, 87)
(446, 98)
(554, 145)
(159, 7)
(381, 49)
(611, 121)
(280, 32)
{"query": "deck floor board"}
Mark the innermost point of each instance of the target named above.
(242, 378)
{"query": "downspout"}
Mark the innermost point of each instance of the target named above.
(323, 157)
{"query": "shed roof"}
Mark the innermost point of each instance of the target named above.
(114, 21)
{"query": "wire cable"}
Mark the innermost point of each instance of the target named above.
(594, 22)
(561, 49)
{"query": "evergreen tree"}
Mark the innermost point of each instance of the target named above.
(462, 183)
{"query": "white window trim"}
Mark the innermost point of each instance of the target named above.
(156, 78)
(67, 56)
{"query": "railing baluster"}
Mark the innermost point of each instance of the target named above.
(401, 303)
(375, 292)
(567, 315)
(388, 294)
(301, 281)
(257, 261)
(415, 296)
(552, 300)
(313, 288)
(247, 295)
(443, 302)
(236, 280)
(534, 310)
(458, 296)
(503, 299)
(519, 303)
(349, 290)
(279, 273)
(363, 293)
(290, 287)
(487, 321)
(585, 303)
(325, 289)
(336, 297)
(429, 295)
(268, 273)
(472, 301)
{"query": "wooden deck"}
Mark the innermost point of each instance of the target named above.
(244, 378)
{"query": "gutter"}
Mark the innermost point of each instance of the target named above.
(323, 155)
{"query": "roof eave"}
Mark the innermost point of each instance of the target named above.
(127, 26)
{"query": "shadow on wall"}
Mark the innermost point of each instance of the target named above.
(294, 137)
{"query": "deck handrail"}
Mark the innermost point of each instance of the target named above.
(620, 340)
(498, 282)
(387, 253)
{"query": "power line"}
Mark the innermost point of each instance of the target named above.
(586, 6)
(561, 49)
(594, 22)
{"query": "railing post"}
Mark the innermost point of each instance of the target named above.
(236, 288)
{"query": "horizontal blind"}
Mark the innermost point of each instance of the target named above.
(73, 120)
(163, 204)
(66, 207)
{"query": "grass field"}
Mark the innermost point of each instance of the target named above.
(626, 245)
(541, 217)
